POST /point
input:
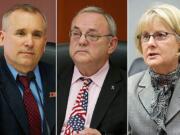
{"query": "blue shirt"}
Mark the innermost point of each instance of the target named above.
(33, 88)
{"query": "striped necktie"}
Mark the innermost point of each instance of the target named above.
(78, 115)
(31, 107)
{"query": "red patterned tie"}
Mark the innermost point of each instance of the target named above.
(31, 107)
(77, 117)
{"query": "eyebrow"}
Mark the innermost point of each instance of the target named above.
(23, 29)
(20, 30)
(75, 27)
(89, 30)
(38, 31)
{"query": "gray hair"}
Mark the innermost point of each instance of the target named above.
(108, 17)
(23, 7)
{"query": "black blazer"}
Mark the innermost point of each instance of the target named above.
(110, 111)
(13, 120)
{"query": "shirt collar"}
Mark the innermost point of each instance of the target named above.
(14, 72)
(97, 78)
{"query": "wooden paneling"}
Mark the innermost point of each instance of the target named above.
(66, 10)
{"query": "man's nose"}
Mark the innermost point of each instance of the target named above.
(29, 41)
(82, 40)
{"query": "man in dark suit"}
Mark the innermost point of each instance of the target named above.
(96, 106)
(27, 86)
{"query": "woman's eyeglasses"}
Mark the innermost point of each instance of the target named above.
(158, 36)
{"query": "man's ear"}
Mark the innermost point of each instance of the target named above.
(1, 37)
(113, 44)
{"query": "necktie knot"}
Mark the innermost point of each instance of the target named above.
(86, 81)
(24, 81)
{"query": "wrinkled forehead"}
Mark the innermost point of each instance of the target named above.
(21, 14)
(91, 20)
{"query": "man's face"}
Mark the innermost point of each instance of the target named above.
(85, 51)
(24, 40)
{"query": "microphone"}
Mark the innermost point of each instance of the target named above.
(32, 77)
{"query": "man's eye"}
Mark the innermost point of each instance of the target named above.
(20, 33)
(76, 33)
(37, 35)
(93, 36)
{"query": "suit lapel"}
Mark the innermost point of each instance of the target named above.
(146, 92)
(48, 84)
(13, 96)
(107, 94)
(174, 106)
(63, 83)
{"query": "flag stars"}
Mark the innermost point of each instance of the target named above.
(77, 118)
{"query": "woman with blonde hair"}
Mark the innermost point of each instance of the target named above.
(154, 94)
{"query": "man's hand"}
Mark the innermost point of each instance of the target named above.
(89, 131)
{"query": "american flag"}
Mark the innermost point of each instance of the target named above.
(77, 117)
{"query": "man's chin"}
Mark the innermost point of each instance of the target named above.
(82, 61)
(81, 58)
(27, 62)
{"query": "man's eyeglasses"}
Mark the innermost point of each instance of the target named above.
(158, 36)
(76, 35)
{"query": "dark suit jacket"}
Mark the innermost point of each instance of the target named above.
(110, 111)
(13, 120)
